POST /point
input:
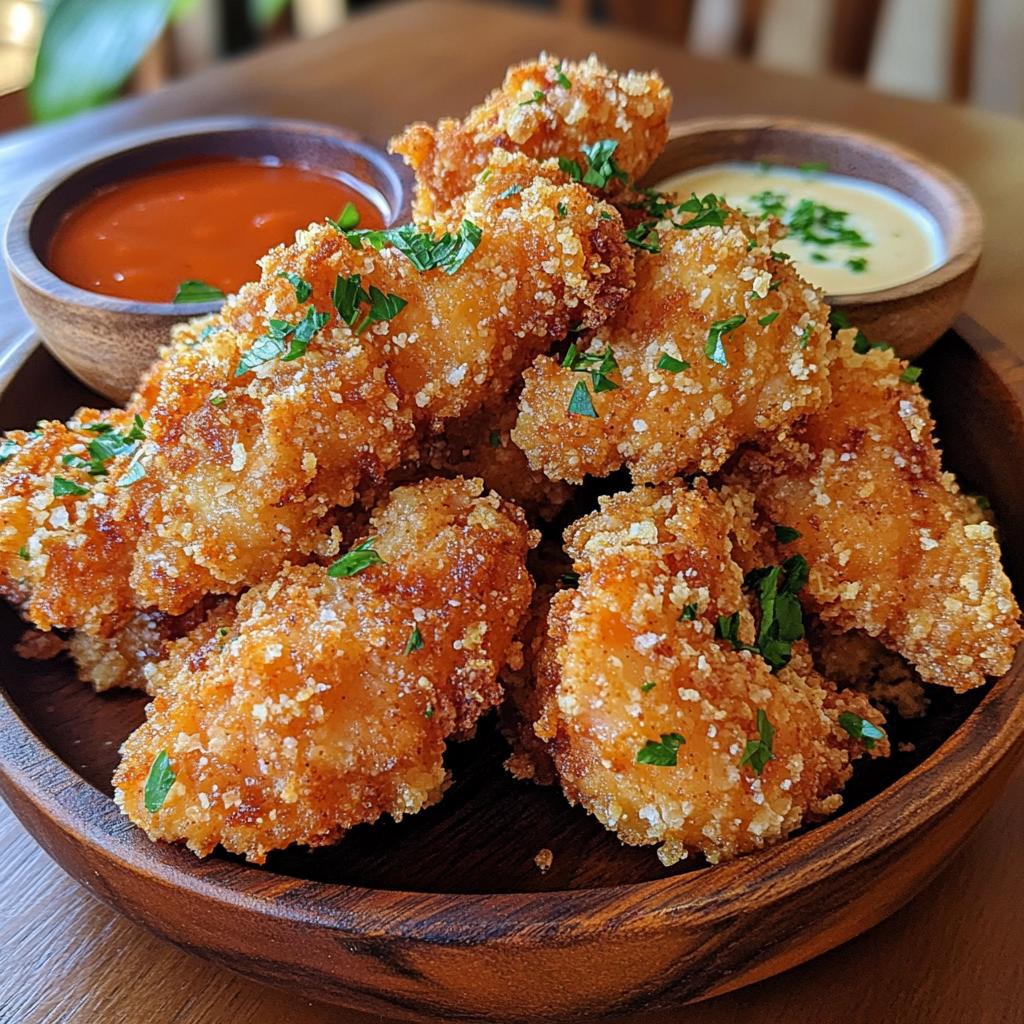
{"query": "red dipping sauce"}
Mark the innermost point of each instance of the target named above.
(206, 220)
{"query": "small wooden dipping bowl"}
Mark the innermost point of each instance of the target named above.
(109, 342)
(909, 316)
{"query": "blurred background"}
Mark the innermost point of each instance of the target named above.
(59, 56)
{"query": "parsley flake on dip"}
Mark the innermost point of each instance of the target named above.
(847, 236)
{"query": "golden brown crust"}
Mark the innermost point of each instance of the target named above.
(307, 717)
(662, 423)
(642, 559)
(632, 109)
(895, 549)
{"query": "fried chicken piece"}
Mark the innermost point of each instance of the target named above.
(240, 470)
(631, 661)
(537, 114)
(895, 549)
(329, 701)
(680, 404)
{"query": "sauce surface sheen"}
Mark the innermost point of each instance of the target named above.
(206, 220)
(902, 240)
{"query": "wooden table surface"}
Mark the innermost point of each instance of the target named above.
(956, 952)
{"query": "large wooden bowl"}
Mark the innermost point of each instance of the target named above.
(445, 915)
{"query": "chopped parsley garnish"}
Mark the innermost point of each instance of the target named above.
(7, 449)
(774, 285)
(562, 209)
(861, 729)
(99, 428)
(647, 687)
(569, 579)
(485, 174)
(644, 236)
(135, 470)
(782, 621)
(786, 534)
(770, 204)
(347, 220)
(709, 212)
(816, 224)
(751, 244)
(62, 488)
(820, 257)
(561, 78)
(714, 349)
(672, 365)
(910, 374)
(663, 754)
(689, 612)
(580, 403)
(23, 552)
(605, 215)
(814, 165)
(275, 342)
(858, 265)
(841, 322)
(303, 289)
(495, 439)
(415, 641)
(304, 331)
(218, 398)
(158, 782)
(422, 250)
(759, 752)
(538, 97)
(196, 291)
(512, 190)
(359, 558)
(781, 257)
(348, 296)
(600, 165)
(768, 318)
(727, 627)
(429, 713)
(982, 502)
(806, 335)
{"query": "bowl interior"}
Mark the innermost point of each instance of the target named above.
(308, 145)
(485, 833)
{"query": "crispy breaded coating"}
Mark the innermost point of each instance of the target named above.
(240, 470)
(318, 708)
(630, 109)
(625, 665)
(895, 549)
(666, 417)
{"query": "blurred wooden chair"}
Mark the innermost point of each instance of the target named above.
(850, 39)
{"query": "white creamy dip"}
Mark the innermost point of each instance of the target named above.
(847, 236)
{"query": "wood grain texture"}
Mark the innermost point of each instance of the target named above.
(956, 952)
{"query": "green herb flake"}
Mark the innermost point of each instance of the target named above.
(23, 552)
(759, 752)
(644, 236)
(982, 502)
(134, 471)
(814, 166)
(858, 265)
(538, 97)
(805, 337)
(819, 257)
(781, 257)
(603, 167)
(422, 250)
(751, 244)
(347, 220)
(570, 167)
(580, 403)
(714, 349)
(512, 190)
(359, 558)
(303, 289)
(303, 332)
(98, 428)
(495, 439)
(605, 215)
(223, 631)
(562, 209)
(485, 174)
(647, 687)
(774, 285)
(569, 579)
(218, 398)
(910, 375)
(429, 713)
(415, 641)
(689, 612)
(670, 364)
(663, 754)
(776, 588)
(62, 488)
(708, 212)
(196, 291)
(768, 318)
(7, 449)
(786, 534)
(158, 782)
(861, 729)
(561, 78)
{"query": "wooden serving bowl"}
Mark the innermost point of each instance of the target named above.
(909, 316)
(108, 342)
(445, 915)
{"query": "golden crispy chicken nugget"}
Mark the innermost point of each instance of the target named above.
(545, 109)
(718, 343)
(327, 700)
(309, 384)
(895, 549)
(663, 732)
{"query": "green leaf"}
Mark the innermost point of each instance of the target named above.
(689, 613)
(138, 429)
(759, 752)
(644, 236)
(158, 782)
(538, 97)
(562, 209)
(429, 713)
(570, 167)
(23, 553)
(495, 439)
(768, 318)
(263, 13)
(303, 333)
(382, 307)
(814, 165)
(861, 729)
(910, 375)
(62, 488)
(303, 289)
(359, 558)
(580, 403)
(512, 190)
(603, 167)
(561, 78)
(664, 754)
(569, 579)
(264, 348)
(197, 291)
(714, 349)
(647, 687)
(858, 265)
(667, 362)
(7, 449)
(424, 251)
(347, 296)
(415, 641)
(88, 50)
(786, 534)
(709, 212)
(135, 470)
(348, 219)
